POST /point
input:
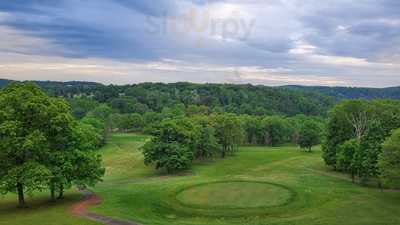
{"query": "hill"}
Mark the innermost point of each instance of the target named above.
(352, 92)
(240, 99)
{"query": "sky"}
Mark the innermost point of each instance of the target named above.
(269, 42)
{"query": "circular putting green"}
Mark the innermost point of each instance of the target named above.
(234, 195)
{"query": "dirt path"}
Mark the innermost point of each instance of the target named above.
(90, 199)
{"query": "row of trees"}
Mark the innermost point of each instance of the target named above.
(258, 130)
(276, 130)
(217, 98)
(178, 141)
(42, 146)
(359, 140)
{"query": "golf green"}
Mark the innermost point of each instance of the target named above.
(234, 195)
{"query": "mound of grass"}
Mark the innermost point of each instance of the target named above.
(234, 195)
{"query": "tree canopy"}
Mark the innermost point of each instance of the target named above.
(38, 142)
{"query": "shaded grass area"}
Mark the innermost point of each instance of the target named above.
(41, 211)
(321, 196)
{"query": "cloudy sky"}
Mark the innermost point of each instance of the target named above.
(271, 42)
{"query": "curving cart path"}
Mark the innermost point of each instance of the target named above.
(91, 199)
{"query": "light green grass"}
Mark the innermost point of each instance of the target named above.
(233, 195)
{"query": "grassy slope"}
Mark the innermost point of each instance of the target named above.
(136, 192)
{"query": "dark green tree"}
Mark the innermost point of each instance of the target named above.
(276, 130)
(347, 120)
(310, 134)
(81, 106)
(389, 161)
(228, 132)
(30, 124)
(346, 160)
(369, 151)
(206, 144)
(170, 148)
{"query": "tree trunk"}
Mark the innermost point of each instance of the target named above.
(52, 193)
(61, 192)
(21, 197)
(380, 186)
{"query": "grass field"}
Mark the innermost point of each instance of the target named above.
(257, 186)
(40, 211)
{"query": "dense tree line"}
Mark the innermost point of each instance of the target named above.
(153, 97)
(356, 133)
(179, 140)
(42, 146)
(342, 93)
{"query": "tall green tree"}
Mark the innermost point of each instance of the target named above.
(28, 120)
(38, 144)
(389, 160)
(252, 128)
(103, 113)
(171, 146)
(310, 134)
(346, 160)
(228, 132)
(81, 106)
(369, 151)
(206, 144)
(276, 130)
(346, 121)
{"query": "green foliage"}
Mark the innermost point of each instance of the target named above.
(171, 156)
(177, 111)
(193, 110)
(170, 148)
(123, 104)
(205, 142)
(127, 122)
(252, 128)
(81, 106)
(228, 132)
(369, 151)
(342, 93)
(369, 122)
(309, 134)
(218, 98)
(342, 123)
(389, 160)
(32, 126)
(86, 137)
(276, 130)
(38, 141)
(346, 157)
(101, 112)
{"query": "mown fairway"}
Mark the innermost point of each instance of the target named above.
(257, 186)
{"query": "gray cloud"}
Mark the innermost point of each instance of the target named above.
(336, 40)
